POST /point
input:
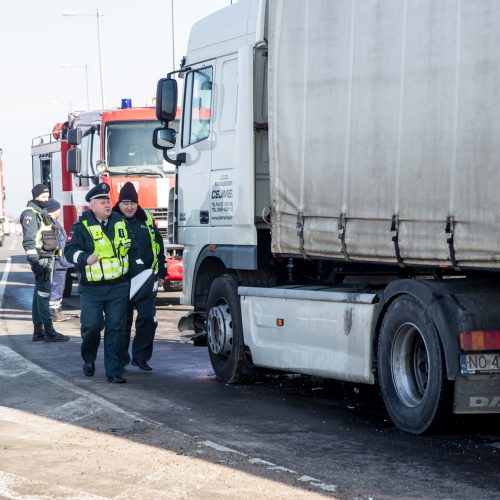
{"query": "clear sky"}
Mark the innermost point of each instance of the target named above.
(36, 93)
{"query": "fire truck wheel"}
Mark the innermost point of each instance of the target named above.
(172, 286)
(411, 368)
(229, 357)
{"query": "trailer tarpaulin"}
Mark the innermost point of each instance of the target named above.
(384, 123)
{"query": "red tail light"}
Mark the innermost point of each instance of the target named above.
(480, 340)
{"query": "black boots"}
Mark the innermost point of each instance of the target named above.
(38, 335)
(53, 336)
(141, 364)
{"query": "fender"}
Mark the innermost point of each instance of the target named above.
(231, 256)
(454, 305)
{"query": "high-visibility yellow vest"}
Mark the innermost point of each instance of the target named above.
(113, 255)
(155, 246)
(45, 239)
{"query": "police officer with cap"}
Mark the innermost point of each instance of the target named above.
(150, 245)
(40, 245)
(102, 248)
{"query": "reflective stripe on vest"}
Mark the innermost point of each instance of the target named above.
(42, 231)
(113, 255)
(155, 246)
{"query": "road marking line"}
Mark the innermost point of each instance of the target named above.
(282, 469)
(261, 462)
(272, 466)
(306, 478)
(219, 447)
(316, 483)
(5, 277)
(8, 354)
(73, 411)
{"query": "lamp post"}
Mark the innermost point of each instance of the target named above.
(173, 39)
(98, 15)
(85, 66)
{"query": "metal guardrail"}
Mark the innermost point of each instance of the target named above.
(43, 139)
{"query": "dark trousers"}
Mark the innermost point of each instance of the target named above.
(105, 307)
(40, 311)
(145, 328)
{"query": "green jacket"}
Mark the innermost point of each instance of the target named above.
(32, 219)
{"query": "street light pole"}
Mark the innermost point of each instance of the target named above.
(100, 57)
(85, 67)
(173, 39)
(87, 85)
(98, 14)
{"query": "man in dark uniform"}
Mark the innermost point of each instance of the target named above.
(150, 244)
(40, 245)
(102, 248)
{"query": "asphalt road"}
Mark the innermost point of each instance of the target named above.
(286, 436)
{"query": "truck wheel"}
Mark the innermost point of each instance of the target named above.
(225, 333)
(411, 367)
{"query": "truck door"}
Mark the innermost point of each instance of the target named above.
(197, 139)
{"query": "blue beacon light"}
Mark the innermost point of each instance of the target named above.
(126, 103)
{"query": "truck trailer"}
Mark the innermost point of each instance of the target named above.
(337, 196)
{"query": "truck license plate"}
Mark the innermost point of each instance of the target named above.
(474, 363)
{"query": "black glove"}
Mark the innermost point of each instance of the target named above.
(33, 259)
(34, 262)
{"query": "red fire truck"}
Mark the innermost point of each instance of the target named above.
(112, 146)
(48, 162)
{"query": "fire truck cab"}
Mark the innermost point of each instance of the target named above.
(114, 146)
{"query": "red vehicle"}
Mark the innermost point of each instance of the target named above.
(48, 163)
(48, 166)
(112, 146)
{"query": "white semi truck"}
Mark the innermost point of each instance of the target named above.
(338, 196)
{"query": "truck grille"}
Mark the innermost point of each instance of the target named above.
(161, 217)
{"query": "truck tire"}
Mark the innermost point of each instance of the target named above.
(411, 367)
(226, 348)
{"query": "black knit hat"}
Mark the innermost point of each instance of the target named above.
(52, 205)
(38, 190)
(128, 193)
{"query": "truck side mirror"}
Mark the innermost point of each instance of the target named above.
(164, 138)
(75, 136)
(166, 99)
(74, 161)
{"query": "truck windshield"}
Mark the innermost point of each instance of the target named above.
(129, 148)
